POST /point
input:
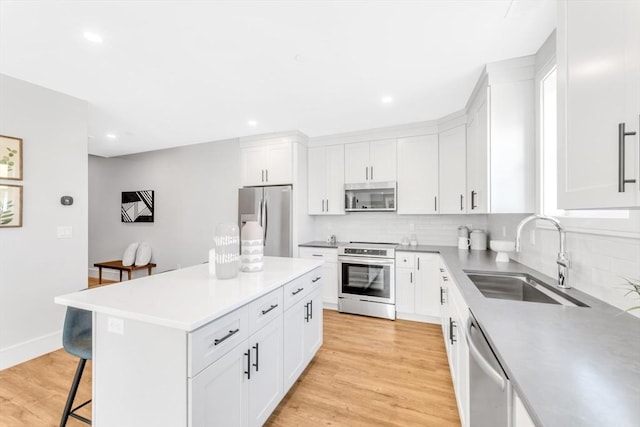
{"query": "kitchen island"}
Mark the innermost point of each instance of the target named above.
(185, 349)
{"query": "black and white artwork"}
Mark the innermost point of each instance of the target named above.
(137, 206)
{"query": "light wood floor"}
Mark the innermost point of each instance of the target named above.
(369, 372)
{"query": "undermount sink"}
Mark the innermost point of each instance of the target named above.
(519, 287)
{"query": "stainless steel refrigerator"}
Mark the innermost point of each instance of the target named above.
(272, 208)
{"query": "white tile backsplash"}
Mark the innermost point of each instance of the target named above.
(598, 262)
(390, 227)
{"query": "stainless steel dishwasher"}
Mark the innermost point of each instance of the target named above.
(490, 397)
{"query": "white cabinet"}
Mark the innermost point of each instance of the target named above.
(270, 164)
(500, 139)
(521, 417)
(598, 90)
(455, 312)
(452, 172)
(302, 326)
(417, 286)
(418, 175)
(329, 272)
(326, 180)
(370, 162)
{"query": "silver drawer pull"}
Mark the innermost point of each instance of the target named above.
(297, 292)
(317, 255)
(316, 279)
(269, 309)
(229, 335)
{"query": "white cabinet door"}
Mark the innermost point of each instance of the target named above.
(418, 175)
(477, 158)
(405, 291)
(334, 180)
(452, 172)
(317, 179)
(266, 382)
(330, 283)
(313, 325)
(598, 88)
(356, 163)
(293, 356)
(521, 417)
(253, 166)
(219, 394)
(382, 160)
(427, 293)
(279, 164)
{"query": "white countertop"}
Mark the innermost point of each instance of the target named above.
(187, 298)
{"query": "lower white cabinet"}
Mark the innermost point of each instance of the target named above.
(417, 286)
(521, 417)
(329, 272)
(302, 331)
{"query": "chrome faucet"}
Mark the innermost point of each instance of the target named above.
(563, 257)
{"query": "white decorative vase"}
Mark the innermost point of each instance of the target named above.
(252, 247)
(227, 251)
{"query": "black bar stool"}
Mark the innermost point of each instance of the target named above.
(76, 339)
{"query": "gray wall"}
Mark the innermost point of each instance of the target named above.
(35, 265)
(196, 188)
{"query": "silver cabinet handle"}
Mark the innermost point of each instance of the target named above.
(371, 173)
(435, 203)
(226, 337)
(322, 205)
(316, 279)
(366, 171)
(327, 205)
(484, 365)
(411, 277)
(266, 175)
(461, 200)
(621, 158)
(262, 179)
(473, 199)
(273, 306)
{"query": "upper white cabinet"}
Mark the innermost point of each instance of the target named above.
(370, 161)
(598, 104)
(418, 175)
(269, 164)
(326, 180)
(500, 139)
(452, 172)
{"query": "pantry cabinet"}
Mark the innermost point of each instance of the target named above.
(367, 162)
(418, 175)
(598, 45)
(269, 164)
(417, 286)
(452, 175)
(326, 180)
(501, 139)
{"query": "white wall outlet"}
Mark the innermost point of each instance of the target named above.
(532, 237)
(65, 232)
(115, 325)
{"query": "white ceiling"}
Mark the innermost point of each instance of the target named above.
(171, 73)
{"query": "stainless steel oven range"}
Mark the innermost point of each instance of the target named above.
(366, 279)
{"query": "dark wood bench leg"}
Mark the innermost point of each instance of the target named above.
(149, 271)
(129, 274)
(99, 275)
(120, 275)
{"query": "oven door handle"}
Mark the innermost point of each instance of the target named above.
(366, 261)
(482, 362)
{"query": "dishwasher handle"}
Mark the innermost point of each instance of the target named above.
(484, 364)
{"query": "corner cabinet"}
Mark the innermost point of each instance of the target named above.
(326, 180)
(366, 162)
(269, 164)
(598, 104)
(417, 286)
(500, 139)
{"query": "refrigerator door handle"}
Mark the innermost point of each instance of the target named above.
(266, 222)
(260, 212)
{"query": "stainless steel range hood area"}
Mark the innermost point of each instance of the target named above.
(367, 197)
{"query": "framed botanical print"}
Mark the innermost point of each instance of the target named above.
(10, 158)
(10, 205)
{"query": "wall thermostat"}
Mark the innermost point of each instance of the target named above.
(66, 200)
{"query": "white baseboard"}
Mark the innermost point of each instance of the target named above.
(418, 318)
(27, 350)
(107, 274)
(329, 306)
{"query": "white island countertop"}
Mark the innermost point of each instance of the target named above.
(188, 298)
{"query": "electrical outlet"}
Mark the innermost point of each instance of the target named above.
(532, 237)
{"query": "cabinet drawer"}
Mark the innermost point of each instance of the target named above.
(327, 254)
(265, 309)
(295, 290)
(212, 341)
(405, 259)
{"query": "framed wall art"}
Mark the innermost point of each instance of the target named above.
(10, 205)
(137, 206)
(10, 158)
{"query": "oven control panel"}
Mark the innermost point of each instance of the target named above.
(365, 252)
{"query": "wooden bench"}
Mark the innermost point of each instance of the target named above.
(117, 265)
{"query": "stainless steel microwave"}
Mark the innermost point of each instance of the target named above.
(376, 196)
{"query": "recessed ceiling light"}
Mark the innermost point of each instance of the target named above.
(252, 123)
(92, 37)
(112, 136)
(387, 99)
